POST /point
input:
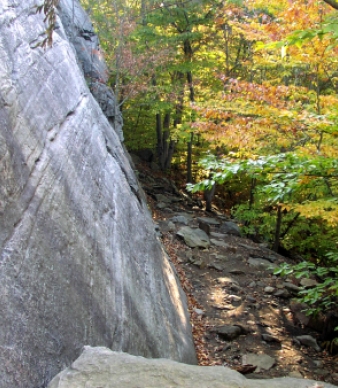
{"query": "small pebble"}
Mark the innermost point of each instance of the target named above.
(199, 311)
(295, 374)
(250, 323)
(269, 338)
(308, 283)
(298, 359)
(234, 298)
(269, 290)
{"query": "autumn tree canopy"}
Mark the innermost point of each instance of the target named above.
(247, 89)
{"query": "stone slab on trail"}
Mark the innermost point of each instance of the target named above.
(209, 220)
(101, 367)
(261, 263)
(194, 237)
(261, 361)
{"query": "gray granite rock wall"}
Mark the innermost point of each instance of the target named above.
(79, 260)
(80, 32)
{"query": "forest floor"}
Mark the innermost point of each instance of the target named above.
(243, 316)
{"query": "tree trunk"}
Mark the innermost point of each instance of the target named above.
(252, 193)
(208, 196)
(179, 78)
(290, 225)
(171, 150)
(159, 136)
(165, 147)
(159, 131)
(333, 3)
(166, 121)
(189, 159)
(278, 228)
(188, 53)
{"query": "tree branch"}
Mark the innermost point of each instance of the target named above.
(332, 3)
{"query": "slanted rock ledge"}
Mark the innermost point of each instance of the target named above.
(101, 367)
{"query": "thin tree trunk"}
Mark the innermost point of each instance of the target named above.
(143, 12)
(333, 3)
(188, 53)
(159, 131)
(252, 193)
(191, 87)
(159, 136)
(165, 149)
(289, 226)
(208, 196)
(328, 185)
(171, 150)
(179, 76)
(278, 228)
(166, 121)
(189, 159)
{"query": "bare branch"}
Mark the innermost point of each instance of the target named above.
(332, 3)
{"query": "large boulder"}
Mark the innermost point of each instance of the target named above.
(80, 263)
(101, 367)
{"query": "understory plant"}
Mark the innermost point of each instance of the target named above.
(322, 297)
(292, 199)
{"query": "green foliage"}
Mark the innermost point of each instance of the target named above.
(255, 222)
(288, 174)
(298, 185)
(323, 296)
(300, 37)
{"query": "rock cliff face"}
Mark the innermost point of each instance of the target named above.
(80, 263)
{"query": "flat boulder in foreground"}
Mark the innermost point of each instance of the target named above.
(100, 367)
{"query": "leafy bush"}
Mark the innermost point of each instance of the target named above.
(291, 199)
(323, 296)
